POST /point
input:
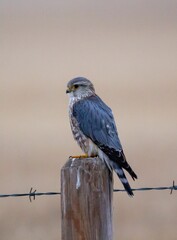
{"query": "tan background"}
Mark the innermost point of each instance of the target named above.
(129, 50)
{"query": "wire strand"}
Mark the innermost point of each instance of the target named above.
(33, 193)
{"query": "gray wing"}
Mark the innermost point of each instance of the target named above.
(96, 121)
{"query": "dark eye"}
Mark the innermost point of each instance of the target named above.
(76, 86)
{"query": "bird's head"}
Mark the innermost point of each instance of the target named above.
(80, 87)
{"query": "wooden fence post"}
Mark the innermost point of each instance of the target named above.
(86, 200)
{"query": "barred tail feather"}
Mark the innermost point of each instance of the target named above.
(122, 178)
(112, 165)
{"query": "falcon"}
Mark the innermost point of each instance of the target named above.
(93, 127)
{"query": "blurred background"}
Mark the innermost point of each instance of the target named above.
(129, 50)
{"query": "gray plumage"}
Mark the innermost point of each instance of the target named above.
(94, 128)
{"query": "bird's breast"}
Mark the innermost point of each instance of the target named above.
(78, 135)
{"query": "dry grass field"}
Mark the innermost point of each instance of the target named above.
(129, 50)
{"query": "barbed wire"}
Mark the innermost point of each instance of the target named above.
(33, 193)
(171, 188)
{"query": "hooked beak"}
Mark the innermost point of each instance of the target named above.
(68, 91)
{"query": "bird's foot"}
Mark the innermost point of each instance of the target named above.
(79, 156)
(83, 156)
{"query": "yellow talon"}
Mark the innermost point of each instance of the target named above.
(79, 156)
(83, 156)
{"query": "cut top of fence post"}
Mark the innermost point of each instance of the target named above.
(86, 200)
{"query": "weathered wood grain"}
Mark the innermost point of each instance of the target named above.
(86, 200)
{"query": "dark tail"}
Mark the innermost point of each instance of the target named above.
(118, 158)
(127, 167)
(122, 178)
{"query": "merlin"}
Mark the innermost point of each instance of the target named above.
(94, 129)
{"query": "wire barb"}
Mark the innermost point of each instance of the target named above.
(32, 194)
(173, 187)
